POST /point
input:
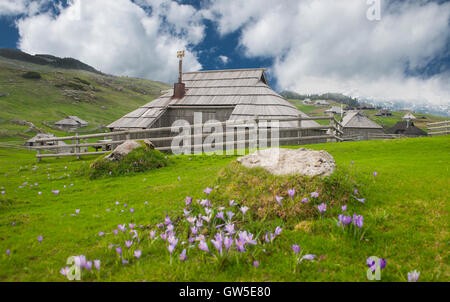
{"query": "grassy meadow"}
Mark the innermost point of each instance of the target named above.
(405, 214)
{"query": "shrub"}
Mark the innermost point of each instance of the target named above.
(31, 75)
(139, 160)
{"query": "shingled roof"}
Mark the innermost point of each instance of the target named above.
(406, 128)
(356, 119)
(245, 89)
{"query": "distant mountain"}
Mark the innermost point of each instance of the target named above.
(44, 59)
(336, 97)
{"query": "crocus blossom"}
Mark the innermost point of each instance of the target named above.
(40, 238)
(55, 191)
(256, 263)
(305, 200)
(296, 248)
(344, 208)
(97, 264)
(314, 195)
(244, 210)
(291, 192)
(137, 253)
(322, 207)
(203, 246)
(207, 190)
(128, 243)
(183, 255)
(413, 276)
(279, 199)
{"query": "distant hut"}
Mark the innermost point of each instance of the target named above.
(384, 112)
(32, 141)
(409, 116)
(406, 128)
(71, 123)
(321, 103)
(220, 95)
(357, 123)
(335, 110)
(365, 106)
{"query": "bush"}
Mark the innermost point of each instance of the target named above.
(31, 75)
(139, 160)
(256, 188)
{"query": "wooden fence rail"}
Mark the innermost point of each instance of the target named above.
(438, 128)
(333, 131)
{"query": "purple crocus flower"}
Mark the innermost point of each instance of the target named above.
(63, 271)
(40, 238)
(413, 276)
(119, 250)
(183, 255)
(374, 174)
(117, 203)
(278, 231)
(131, 226)
(101, 234)
(358, 220)
(361, 200)
(309, 257)
(146, 203)
(97, 264)
(230, 215)
(88, 265)
(128, 243)
(305, 200)
(291, 192)
(77, 211)
(8, 252)
(322, 207)
(125, 205)
(218, 243)
(188, 200)
(115, 232)
(203, 246)
(227, 242)
(278, 199)
(244, 210)
(55, 191)
(344, 208)
(207, 190)
(3, 192)
(229, 228)
(137, 253)
(152, 234)
(232, 203)
(296, 248)
(314, 194)
(355, 191)
(167, 220)
(121, 227)
(220, 215)
(131, 210)
(124, 261)
(240, 244)
(256, 263)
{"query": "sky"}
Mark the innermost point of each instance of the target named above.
(378, 49)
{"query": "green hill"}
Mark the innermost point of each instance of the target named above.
(94, 97)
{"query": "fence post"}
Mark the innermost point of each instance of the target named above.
(332, 132)
(77, 148)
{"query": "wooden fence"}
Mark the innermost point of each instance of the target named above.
(78, 144)
(371, 136)
(439, 128)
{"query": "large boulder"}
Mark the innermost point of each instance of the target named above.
(280, 161)
(126, 147)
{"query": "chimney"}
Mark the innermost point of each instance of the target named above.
(179, 88)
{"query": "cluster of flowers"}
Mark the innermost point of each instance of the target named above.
(81, 263)
(291, 194)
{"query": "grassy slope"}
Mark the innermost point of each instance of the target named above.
(386, 122)
(406, 213)
(43, 103)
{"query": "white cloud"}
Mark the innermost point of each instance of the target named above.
(117, 37)
(224, 59)
(21, 7)
(327, 45)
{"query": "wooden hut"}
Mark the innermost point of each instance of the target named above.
(71, 122)
(406, 128)
(357, 123)
(384, 112)
(219, 95)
